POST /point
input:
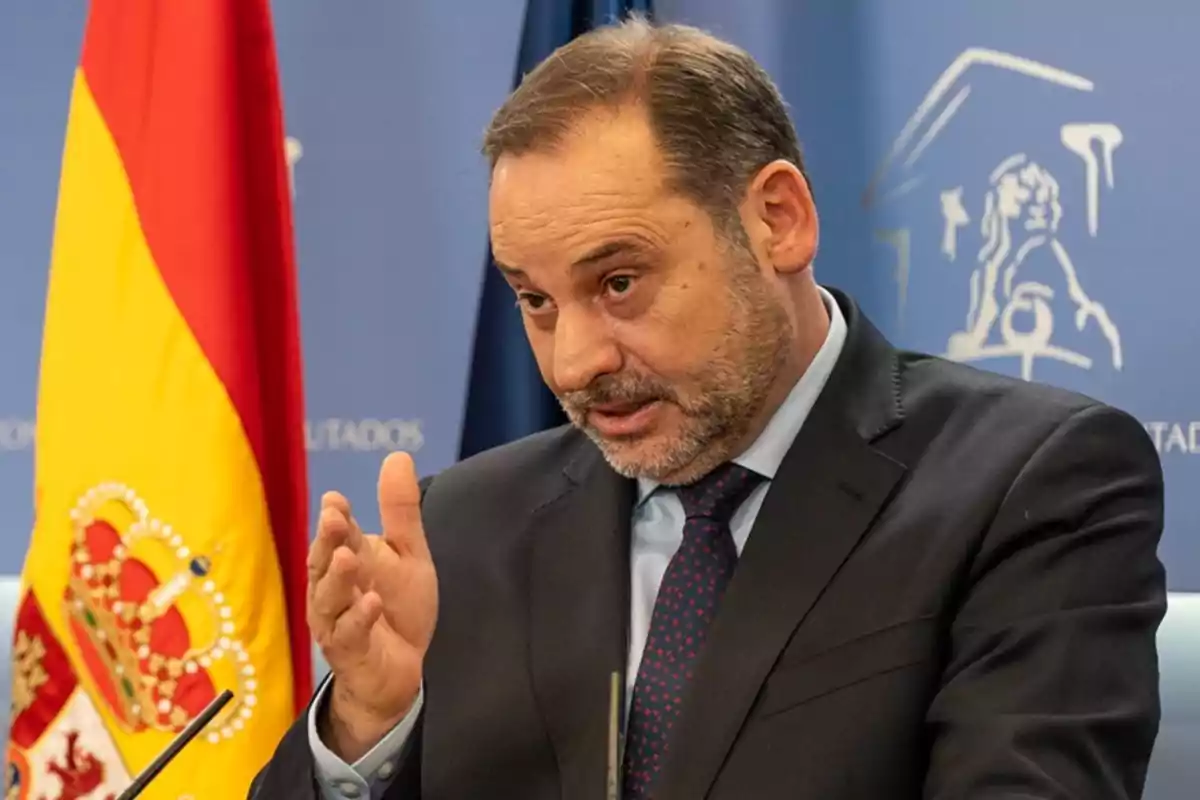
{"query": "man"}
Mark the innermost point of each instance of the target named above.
(827, 569)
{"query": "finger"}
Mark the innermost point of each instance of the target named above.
(333, 530)
(335, 592)
(351, 637)
(400, 506)
(338, 501)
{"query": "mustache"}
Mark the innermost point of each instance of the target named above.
(614, 389)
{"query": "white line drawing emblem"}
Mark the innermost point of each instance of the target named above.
(1010, 308)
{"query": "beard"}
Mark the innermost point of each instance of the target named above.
(721, 402)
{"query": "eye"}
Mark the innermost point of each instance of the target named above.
(533, 302)
(619, 284)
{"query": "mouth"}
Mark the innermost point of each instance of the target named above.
(623, 419)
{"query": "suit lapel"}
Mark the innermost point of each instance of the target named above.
(830, 487)
(579, 605)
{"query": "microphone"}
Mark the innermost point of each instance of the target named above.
(142, 781)
(613, 784)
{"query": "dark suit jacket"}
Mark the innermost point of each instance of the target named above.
(951, 591)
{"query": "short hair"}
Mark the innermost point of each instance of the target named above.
(716, 114)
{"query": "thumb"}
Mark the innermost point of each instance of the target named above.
(400, 506)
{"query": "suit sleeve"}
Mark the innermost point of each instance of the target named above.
(371, 775)
(302, 767)
(1051, 681)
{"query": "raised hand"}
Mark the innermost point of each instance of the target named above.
(372, 609)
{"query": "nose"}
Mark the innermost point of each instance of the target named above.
(584, 348)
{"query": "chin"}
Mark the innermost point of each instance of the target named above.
(633, 459)
(663, 459)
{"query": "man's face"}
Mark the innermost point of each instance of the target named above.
(660, 338)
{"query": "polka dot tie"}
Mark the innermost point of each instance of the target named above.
(687, 601)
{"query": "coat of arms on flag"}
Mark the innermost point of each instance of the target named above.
(150, 636)
(155, 633)
(59, 748)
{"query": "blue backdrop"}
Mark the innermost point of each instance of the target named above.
(1007, 183)
(958, 151)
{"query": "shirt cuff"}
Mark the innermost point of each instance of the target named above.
(370, 776)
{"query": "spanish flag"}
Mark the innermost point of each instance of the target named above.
(167, 557)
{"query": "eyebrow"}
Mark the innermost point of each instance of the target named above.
(604, 252)
(597, 255)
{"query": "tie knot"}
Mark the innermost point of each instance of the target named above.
(718, 494)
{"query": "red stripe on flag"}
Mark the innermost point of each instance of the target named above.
(190, 93)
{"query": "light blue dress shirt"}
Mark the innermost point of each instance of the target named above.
(657, 531)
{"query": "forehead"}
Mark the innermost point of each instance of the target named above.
(606, 172)
(606, 151)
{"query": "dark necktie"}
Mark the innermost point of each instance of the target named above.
(685, 606)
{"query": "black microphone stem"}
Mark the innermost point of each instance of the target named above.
(178, 743)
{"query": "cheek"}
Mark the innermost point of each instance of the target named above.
(682, 333)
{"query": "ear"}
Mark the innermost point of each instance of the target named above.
(779, 207)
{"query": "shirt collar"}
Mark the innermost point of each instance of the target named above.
(766, 453)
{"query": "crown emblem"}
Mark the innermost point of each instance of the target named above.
(155, 633)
